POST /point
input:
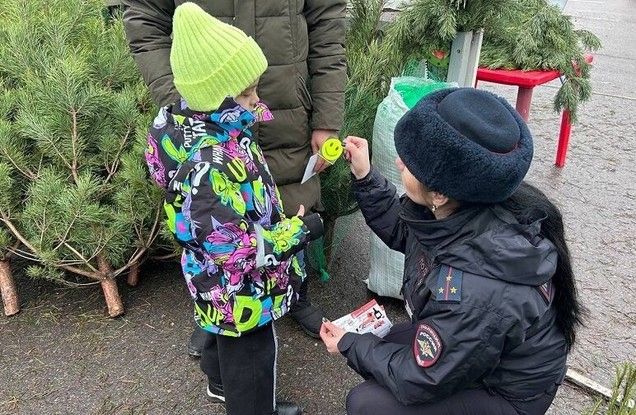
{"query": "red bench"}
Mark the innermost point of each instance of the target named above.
(526, 81)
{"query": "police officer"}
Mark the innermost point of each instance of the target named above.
(487, 280)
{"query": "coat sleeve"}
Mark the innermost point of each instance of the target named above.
(148, 25)
(471, 343)
(381, 207)
(327, 62)
(220, 226)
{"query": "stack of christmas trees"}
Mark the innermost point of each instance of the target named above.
(74, 196)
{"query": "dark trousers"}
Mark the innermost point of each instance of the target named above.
(303, 293)
(370, 398)
(246, 367)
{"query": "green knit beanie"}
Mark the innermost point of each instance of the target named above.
(211, 60)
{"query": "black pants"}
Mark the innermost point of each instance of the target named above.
(303, 293)
(246, 367)
(370, 398)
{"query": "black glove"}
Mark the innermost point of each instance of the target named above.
(313, 223)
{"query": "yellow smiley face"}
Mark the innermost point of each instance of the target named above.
(331, 149)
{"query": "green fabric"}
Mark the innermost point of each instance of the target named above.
(413, 92)
(303, 85)
(211, 60)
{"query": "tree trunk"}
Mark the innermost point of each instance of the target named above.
(7, 290)
(133, 275)
(109, 286)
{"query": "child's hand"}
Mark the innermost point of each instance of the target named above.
(301, 211)
(357, 153)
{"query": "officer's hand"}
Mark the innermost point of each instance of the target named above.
(357, 153)
(331, 335)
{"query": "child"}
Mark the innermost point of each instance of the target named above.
(240, 257)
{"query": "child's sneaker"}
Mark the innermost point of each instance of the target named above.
(215, 393)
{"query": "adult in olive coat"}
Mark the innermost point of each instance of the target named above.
(303, 41)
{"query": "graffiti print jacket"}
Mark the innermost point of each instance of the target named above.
(223, 207)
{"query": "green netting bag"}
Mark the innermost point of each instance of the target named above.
(412, 90)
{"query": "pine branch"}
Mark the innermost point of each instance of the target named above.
(68, 230)
(43, 226)
(23, 170)
(34, 258)
(26, 243)
(81, 257)
(140, 252)
(154, 231)
(589, 40)
(115, 166)
(74, 144)
(6, 255)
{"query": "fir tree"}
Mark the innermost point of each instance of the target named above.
(74, 193)
(8, 291)
(621, 401)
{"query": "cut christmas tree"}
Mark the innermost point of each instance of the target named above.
(74, 194)
(8, 291)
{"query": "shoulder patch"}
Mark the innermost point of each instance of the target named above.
(427, 346)
(449, 285)
(547, 293)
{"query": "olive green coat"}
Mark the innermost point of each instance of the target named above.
(303, 41)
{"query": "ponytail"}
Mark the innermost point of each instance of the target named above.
(524, 204)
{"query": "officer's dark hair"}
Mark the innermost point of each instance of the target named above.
(524, 205)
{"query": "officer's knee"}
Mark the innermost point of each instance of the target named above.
(358, 400)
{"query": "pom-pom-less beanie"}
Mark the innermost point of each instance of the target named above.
(211, 60)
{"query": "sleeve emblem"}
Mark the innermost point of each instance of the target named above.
(427, 346)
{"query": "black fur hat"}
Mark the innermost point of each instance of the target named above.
(465, 143)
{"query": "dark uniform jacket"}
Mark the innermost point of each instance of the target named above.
(303, 41)
(478, 284)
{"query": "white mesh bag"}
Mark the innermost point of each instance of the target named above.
(387, 266)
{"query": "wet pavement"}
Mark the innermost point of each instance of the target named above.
(60, 355)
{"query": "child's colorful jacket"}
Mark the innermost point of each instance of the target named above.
(223, 207)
